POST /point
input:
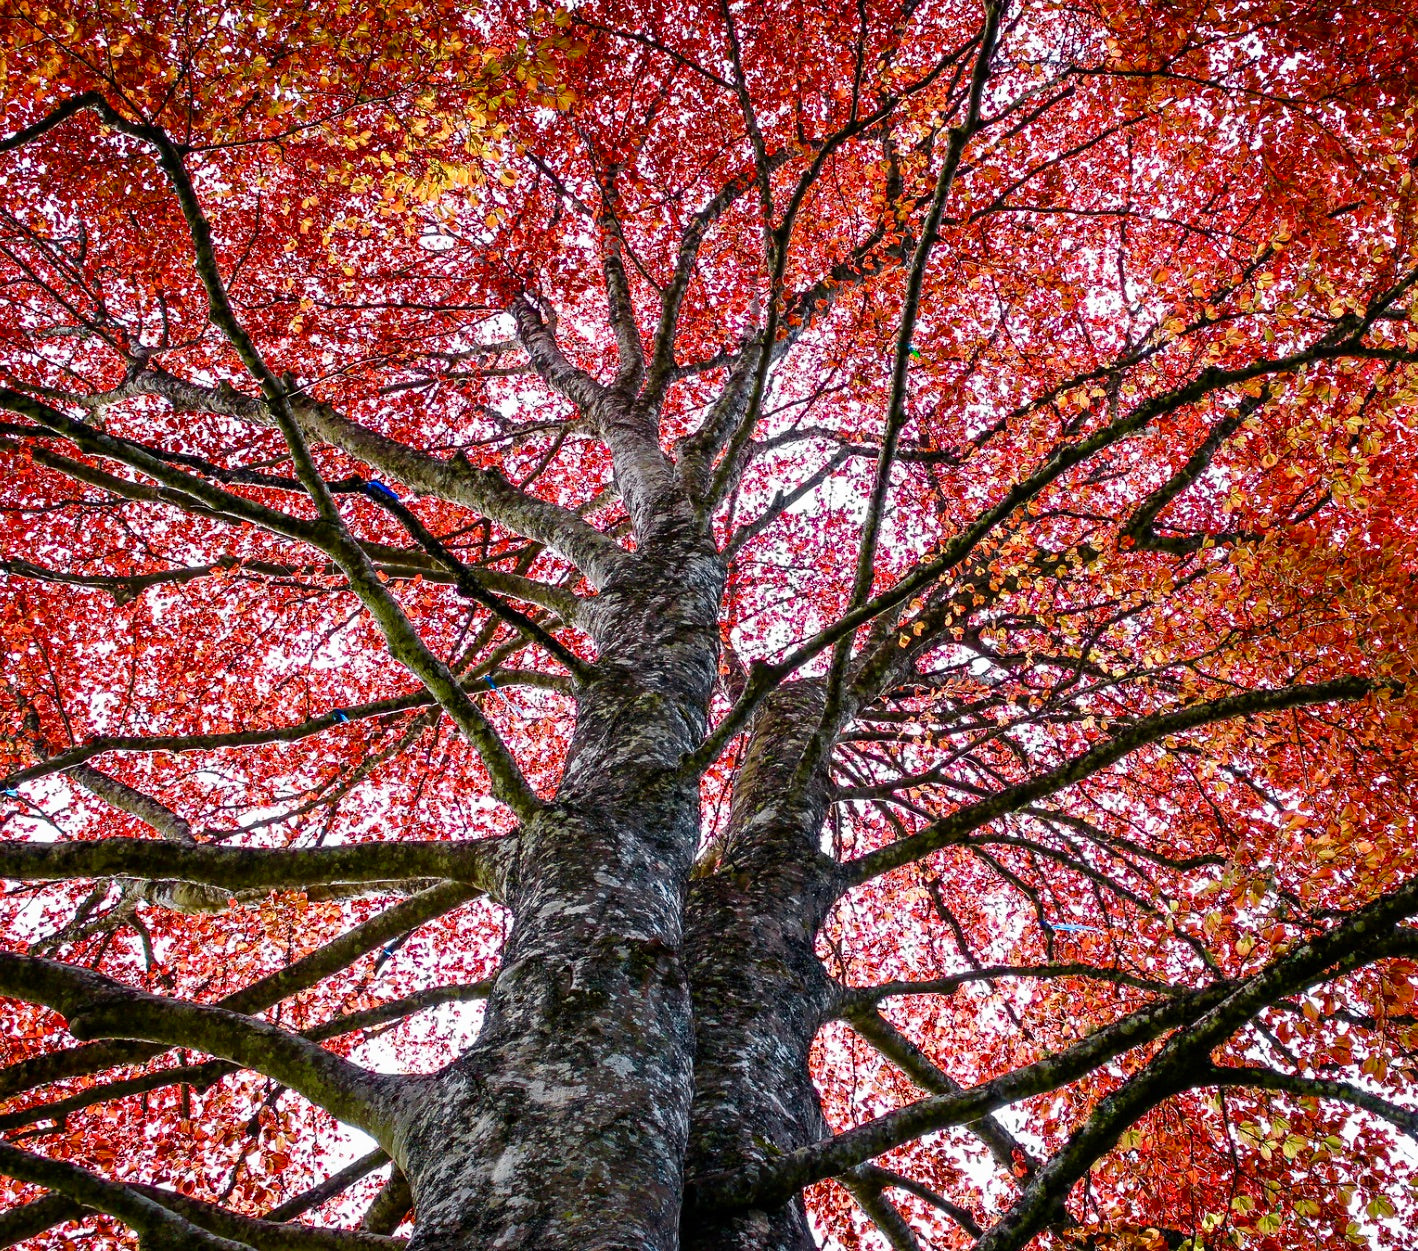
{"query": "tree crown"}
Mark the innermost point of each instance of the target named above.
(1039, 377)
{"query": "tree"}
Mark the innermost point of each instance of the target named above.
(845, 571)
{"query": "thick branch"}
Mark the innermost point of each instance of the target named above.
(29, 1219)
(1258, 1078)
(251, 868)
(200, 1076)
(134, 802)
(643, 473)
(190, 1222)
(96, 1007)
(485, 491)
(160, 1227)
(260, 995)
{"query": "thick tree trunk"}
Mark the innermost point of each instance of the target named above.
(565, 1126)
(760, 992)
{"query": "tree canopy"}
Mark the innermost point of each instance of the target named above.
(848, 569)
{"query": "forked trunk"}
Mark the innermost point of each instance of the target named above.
(644, 1028)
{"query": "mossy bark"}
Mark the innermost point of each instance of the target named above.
(760, 992)
(565, 1126)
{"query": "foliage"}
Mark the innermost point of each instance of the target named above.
(1090, 410)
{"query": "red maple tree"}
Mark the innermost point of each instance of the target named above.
(731, 626)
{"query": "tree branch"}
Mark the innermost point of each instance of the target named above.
(856, 998)
(322, 1192)
(643, 473)
(470, 585)
(200, 1076)
(869, 1192)
(551, 365)
(405, 644)
(1258, 1078)
(890, 1180)
(1006, 1149)
(161, 1228)
(475, 862)
(27, 1220)
(485, 491)
(1184, 1061)
(260, 995)
(1148, 730)
(896, 414)
(178, 1222)
(768, 1183)
(98, 1007)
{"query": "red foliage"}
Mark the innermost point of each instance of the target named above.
(1160, 189)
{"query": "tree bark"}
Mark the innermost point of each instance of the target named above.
(760, 992)
(566, 1124)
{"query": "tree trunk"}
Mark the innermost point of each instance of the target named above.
(565, 1126)
(760, 992)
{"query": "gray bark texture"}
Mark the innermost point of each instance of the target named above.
(566, 1124)
(647, 1025)
(760, 992)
